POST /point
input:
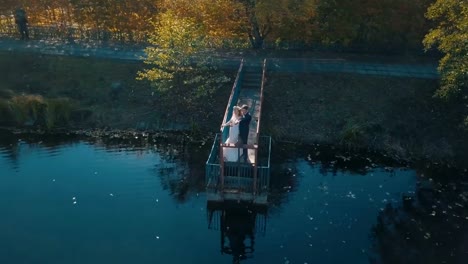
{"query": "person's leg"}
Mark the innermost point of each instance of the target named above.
(26, 31)
(244, 151)
(22, 30)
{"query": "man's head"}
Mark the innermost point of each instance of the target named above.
(244, 109)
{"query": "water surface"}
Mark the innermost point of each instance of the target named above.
(142, 201)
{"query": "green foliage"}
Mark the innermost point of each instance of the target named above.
(180, 58)
(450, 37)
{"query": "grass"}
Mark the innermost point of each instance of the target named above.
(58, 112)
(34, 110)
(398, 116)
(103, 94)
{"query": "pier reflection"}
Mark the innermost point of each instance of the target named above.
(238, 225)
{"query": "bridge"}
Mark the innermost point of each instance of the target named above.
(242, 181)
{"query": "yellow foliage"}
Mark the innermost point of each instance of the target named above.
(221, 19)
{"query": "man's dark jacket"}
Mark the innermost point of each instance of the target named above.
(244, 126)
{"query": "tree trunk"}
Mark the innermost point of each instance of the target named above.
(255, 35)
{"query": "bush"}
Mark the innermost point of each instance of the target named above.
(28, 109)
(352, 134)
(58, 112)
(32, 110)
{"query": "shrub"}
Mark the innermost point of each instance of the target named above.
(28, 109)
(35, 110)
(58, 112)
(6, 115)
(352, 134)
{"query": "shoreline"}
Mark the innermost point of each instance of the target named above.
(394, 116)
(317, 150)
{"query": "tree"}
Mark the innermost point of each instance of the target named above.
(279, 20)
(451, 38)
(180, 59)
(222, 20)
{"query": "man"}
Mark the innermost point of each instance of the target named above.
(22, 21)
(244, 126)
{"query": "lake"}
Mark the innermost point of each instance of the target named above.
(141, 199)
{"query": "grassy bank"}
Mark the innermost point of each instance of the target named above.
(398, 116)
(53, 91)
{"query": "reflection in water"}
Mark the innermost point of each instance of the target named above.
(323, 205)
(181, 173)
(429, 226)
(238, 223)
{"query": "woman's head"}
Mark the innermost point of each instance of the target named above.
(236, 111)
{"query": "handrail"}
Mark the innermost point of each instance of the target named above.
(245, 146)
(235, 87)
(212, 148)
(257, 139)
(261, 100)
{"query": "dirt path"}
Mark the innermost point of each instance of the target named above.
(305, 65)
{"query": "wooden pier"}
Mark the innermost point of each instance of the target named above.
(242, 181)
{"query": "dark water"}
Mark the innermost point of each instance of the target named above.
(142, 200)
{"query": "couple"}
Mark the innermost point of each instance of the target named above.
(238, 133)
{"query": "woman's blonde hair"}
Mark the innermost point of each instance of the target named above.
(236, 110)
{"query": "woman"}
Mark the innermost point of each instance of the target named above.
(232, 154)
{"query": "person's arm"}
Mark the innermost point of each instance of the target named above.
(245, 118)
(228, 123)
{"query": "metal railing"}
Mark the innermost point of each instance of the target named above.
(227, 115)
(263, 183)
(255, 190)
(238, 175)
(213, 167)
(232, 100)
(215, 218)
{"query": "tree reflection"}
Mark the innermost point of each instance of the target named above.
(428, 227)
(238, 224)
(10, 143)
(181, 170)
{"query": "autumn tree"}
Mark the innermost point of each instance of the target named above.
(450, 36)
(180, 59)
(384, 25)
(276, 20)
(220, 19)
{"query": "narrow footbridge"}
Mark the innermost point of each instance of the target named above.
(242, 181)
